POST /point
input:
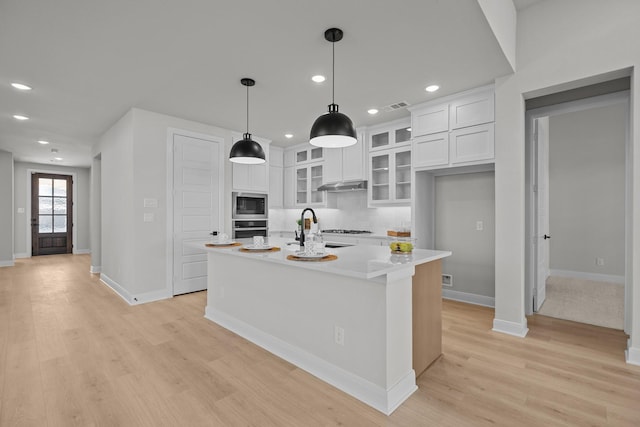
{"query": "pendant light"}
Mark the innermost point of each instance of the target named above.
(333, 129)
(246, 150)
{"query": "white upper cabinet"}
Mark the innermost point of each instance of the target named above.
(430, 120)
(389, 135)
(345, 164)
(472, 110)
(276, 178)
(454, 131)
(254, 178)
(303, 174)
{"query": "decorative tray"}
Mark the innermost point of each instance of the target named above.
(251, 248)
(222, 245)
(319, 257)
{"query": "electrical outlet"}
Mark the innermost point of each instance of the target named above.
(599, 261)
(447, 280)
(479, 225)
(338, 335)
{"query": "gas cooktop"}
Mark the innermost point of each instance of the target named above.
(340, 231)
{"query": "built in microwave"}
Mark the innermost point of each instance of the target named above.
(249, 206)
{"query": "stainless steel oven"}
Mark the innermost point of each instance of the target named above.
(249, 206)
(243, 228)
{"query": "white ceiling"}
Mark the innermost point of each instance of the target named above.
(90, 61)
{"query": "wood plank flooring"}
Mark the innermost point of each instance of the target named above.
(72, 353)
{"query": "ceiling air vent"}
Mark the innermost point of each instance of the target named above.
(396, 106)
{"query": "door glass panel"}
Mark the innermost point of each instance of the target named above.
(380, 140)
(44, 205)
(45, 186)
(45, 224)
(403, 135)
(301, 156)
(59, 205)
(316, 153)
(60, 187)
(60, 224)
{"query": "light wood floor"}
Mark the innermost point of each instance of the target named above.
(72, 353)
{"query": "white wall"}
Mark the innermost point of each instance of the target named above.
(6, 209)
(587, 190)
(134, 167)
(460, 202)
(22, 189)
(561, 44)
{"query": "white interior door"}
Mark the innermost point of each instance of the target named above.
(541, 139)
(196, 208)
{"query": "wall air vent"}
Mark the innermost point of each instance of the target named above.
(396, 106)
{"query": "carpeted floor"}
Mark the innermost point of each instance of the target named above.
(585, 301)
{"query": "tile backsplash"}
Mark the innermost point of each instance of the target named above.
(351, 212)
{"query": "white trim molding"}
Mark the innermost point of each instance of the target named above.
(597, 277)
(510, 328)
(95, 269)
(469, 298)
(7, 263)
(122, 292)
(385, 401)
(22, 255)
(81, 251)
(134, 299)
(632, 355)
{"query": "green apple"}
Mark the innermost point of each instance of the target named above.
(406, 247)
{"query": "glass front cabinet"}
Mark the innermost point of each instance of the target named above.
(390, 177)
(308, 179)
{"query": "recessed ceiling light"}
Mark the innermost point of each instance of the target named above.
(318, 78)
(43, 142)
(59, 158)
(372, 111)
(20, 117)
(288, 135)
(20, 86)
(408, 129)
(432, 88)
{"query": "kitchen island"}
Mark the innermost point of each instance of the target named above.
(349, 321)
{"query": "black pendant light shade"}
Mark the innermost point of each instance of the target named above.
(333, 129)
(246, 150)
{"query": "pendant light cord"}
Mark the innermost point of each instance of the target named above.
(333, 71)
(247, 109)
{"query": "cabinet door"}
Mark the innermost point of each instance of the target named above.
(316, 197)
(431, 150)
(472, 144)
(333, 165)
(380, 177)
(276, 187)
(241, 176)
(289, 187)
(430, 120)
(302, 186)
(402, 175)
(472, 110)
(353, 164)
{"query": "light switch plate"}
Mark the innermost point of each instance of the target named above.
(148, 217)
(150, 203)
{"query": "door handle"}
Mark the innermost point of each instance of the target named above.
(546, 236)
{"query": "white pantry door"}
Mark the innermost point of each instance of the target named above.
(196, 208)
(541, 139)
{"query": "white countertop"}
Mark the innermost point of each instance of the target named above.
(360, 261)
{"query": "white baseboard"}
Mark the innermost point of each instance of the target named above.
(122, 292)
(81, 251)
(95, 269)
(588, 276)
(385, 401)
(510, 328)
(7, 263)
(134, 299)
(468, 298)
(22, 255)
(633, 355)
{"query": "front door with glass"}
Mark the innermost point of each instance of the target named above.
(51, 214)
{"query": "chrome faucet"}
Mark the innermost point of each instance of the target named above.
(315, 221)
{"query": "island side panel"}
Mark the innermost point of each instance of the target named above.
(427, 315)
(302, 307)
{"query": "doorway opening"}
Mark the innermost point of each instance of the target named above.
(578, 210)
(51, 214)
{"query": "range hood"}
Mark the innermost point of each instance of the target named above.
(344, 186)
